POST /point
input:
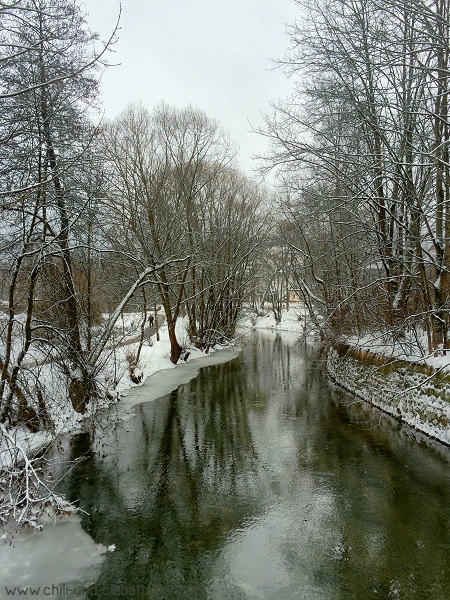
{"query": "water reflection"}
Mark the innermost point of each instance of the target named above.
(254, 481)
(178, 482)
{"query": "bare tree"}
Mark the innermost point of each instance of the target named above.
(231, 225)
(48, 80)
(49, 68)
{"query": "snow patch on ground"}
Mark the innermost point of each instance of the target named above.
(410, 347)
(73, 555)
(294, 319)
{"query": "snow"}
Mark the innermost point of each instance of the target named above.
(293, 319)
(168, 378)
(10, 452)
(412, 396)
(72, 554)
(410, 347)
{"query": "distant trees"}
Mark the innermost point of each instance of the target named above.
(174, 195)
(363, 153)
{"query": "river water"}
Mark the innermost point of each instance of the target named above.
(254, 480)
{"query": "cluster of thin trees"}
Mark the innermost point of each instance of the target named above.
(174, 194)
(362, 150)
(149, 208)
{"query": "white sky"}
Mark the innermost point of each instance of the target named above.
(214, 54)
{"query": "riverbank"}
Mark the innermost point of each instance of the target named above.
(22, 451)
(414, 393)
(119, 368)
(73, 554)
(412, 389)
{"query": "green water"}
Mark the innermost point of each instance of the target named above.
(252, 481)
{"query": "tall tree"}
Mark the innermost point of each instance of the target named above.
(48, 82)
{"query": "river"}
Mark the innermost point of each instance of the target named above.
(256, 480)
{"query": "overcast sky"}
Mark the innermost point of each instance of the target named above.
(213, 54)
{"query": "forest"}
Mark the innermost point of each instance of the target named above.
(151, 209)
(362, 151)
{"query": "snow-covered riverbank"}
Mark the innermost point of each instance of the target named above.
(74, 556)
(407, 391)
(115, 380)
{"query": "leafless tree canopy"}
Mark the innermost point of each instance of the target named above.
(362, 155)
